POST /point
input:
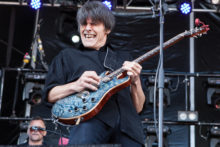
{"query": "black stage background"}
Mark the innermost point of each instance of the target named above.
(136, 33)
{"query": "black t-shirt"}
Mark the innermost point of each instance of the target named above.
(70, 64)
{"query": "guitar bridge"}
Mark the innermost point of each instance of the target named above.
(83, 94)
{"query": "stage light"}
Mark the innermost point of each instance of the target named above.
(182, 116)
(33, 92)
(36, 95)
(151, 137)
(67, 28)
(213, 92)
(35, 4)
(166, 91)
(111, 4)
(188, 116)
(75, 38)
(215, 2)
(34, 84)
(184, 6)
(72, 37)
(214, 134)
(108, 4)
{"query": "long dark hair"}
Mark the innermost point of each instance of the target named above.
(97, 12)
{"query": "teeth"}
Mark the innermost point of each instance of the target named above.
(89, 36)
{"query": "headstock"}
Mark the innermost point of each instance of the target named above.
(199, 30)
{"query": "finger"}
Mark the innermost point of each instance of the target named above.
(90, 86)
(135, 67)
(92, 81)
(131, 68)
(93, 75)
(129, 73)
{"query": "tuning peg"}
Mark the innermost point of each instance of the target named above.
(195, 36)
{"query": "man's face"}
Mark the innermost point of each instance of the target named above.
(93, 34)
(36, 135)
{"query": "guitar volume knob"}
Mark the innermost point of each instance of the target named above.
(84, 108)
(84, 100)
(76, 109)
(92, 99)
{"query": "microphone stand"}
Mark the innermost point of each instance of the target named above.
(161, 76)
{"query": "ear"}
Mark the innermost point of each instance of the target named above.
(28, 131)
(45, 133)
(108, 31)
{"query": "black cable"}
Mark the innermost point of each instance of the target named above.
(177, 85)
(201, 135)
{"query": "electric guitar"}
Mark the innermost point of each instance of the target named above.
(84, 105)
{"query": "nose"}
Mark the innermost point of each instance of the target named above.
(88, 27)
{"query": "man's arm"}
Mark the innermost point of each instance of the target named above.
(88, 80)
(137, 94)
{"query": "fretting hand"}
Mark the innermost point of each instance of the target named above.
(133, 70)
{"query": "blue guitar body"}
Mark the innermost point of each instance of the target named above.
(86, 104)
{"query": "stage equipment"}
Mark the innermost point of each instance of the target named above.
(214, 136)
(67, 28)
(151, 139)
(71, 3)
(215, 2)
(184, 6)
(166, 91)
(111, 4)
(35, 4)
(33, 92)
(71, 37)
(188, 116)
(23, 133)
(75, 38)
(33, 88)
(213, 92)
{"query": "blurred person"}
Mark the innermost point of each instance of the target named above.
(36, 132)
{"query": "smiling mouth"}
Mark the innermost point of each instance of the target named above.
(89, 36)
(35, 134)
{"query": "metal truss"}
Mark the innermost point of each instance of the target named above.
(118, 8)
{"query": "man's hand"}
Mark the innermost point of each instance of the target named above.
(133, 70)
(88, 80)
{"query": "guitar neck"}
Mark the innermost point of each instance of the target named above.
(150, 53)
(156, 50)
(170, 42)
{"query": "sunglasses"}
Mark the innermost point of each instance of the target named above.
(35, 128)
